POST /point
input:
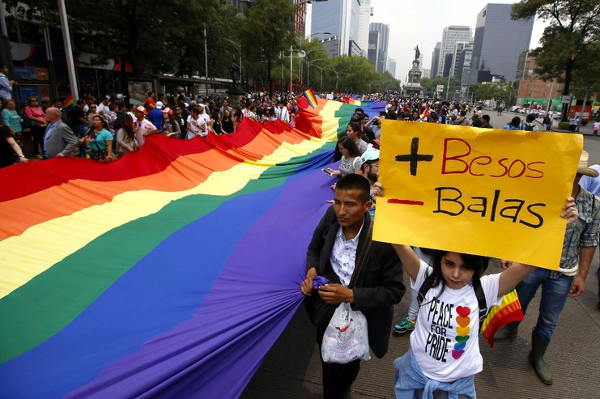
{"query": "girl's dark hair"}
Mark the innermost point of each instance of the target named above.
(104, 124)
(124, 122)
(516, 122)
(472, 262)
(356, 127)
(350, 145)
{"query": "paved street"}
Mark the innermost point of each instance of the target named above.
(292, 370)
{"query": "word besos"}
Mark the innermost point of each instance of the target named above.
(450, 201)
(457, 160)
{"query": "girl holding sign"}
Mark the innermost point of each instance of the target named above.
(444, 347)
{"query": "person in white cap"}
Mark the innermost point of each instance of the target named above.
(367, 165)
(103, 106)
(581, 240)
(156, 116)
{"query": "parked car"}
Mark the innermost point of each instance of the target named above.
(514, 108)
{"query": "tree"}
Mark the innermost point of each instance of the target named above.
(573, 33)
(267, 31)
(430, 85)
(498, 91)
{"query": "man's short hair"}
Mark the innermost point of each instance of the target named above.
(355, 182)
(486, 118)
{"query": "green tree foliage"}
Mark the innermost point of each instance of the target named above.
(494, 91)
(572, 35)
(167, 36)
(267, 31)
(155, 36)
(430, 85)
(356, 75)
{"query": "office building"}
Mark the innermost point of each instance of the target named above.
(458, 58)
(341, 19)
(391, 67)
(533, 89)
(299, 16)
(366, 12)
(373, 46)
(498, 42)
(435, 60)
(463, 64)
(450, 36)
(380, 45)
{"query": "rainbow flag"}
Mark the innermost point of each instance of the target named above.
(310, 96)
(68, 101)
(168, 273)
(425, 113)
(499, 315)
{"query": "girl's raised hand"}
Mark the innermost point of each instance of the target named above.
(570, 210)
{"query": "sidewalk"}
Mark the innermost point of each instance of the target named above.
(587, 130)
(292, 367)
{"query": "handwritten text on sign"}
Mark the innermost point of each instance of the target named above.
(488, 192)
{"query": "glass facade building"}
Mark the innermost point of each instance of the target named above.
(499, 41)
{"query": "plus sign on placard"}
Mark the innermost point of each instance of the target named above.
(414, 157)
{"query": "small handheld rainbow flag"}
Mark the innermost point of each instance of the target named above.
(425, 113)
(68, 101)
(310, 96)
(507, 311)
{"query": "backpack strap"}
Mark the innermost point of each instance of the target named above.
(481, 302)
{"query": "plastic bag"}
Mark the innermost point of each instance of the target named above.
(346, 338)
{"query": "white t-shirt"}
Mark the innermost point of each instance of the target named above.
(195, 126)
(445, 341)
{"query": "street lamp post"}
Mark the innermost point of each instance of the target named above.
(308, 64)
(205, 60)
(305, 54)
(337, 76)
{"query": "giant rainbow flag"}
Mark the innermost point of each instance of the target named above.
(167, 274)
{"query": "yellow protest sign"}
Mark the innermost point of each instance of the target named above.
(487, 192)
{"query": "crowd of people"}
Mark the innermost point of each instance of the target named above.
(444, 284)
(108, 129)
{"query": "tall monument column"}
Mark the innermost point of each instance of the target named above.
(413, 86)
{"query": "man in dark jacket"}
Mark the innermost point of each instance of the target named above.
(332, 252)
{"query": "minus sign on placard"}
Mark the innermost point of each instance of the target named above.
(404, 202)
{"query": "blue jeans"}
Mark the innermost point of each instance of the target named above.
(554, 295)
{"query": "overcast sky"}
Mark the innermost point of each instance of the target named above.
(422, 22)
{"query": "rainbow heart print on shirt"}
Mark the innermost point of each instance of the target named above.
(462, 331)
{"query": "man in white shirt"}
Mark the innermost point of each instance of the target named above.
(142, 126)
(204, 118)
(103, 106)
(282, 112)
